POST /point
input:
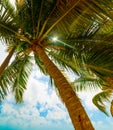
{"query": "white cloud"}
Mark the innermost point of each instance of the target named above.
(3, 53)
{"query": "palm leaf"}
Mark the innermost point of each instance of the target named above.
(59, 19)
(2, 95)
(100, 61)
(81, 9)
(9, 28)
(101, 98)
(40, 64)
(23, 72)
(16, 75)
(7, 18)
(92, 52)
(64, 61)
(87, 83)
(6, 78)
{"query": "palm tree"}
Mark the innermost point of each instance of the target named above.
(30, 29)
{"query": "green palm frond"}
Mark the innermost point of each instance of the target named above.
(7, 20)
(64, 61)
(87, 83)
(23, 72)
(92, 53)
(75, 43)
(32, 15)
(82, 40)
(6, 5)
(2, 95)
(40, 64)
(100, 60)
(97, 6)
(9, 27)
(6, 79)
(16, 76)
(80, 14)
(106, 28)
(101, 98)
(52, 83)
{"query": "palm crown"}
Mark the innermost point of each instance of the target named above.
(81, 45)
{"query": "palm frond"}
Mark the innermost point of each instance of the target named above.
(92, 52)
(2, 95)
(23, 72)
(87, 83)
(9, 27)
(52, 83)
(35, 13)
(16, 76)
(40, 64)
(101, 98)
(100, 61)
(6, 6)
(65, 62)
(7, 18)
(6, 79)
(82, 10)
(53, 5)
(66, 12)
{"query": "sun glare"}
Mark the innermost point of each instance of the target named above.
(54, 39)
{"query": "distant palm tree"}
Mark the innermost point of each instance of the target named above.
(28, 31)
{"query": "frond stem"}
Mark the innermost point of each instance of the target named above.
(99, 68)
(17, 34)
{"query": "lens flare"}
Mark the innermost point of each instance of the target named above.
(54, 39)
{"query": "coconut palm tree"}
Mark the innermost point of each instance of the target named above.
(28, 31)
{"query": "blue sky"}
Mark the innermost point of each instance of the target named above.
(43, 110)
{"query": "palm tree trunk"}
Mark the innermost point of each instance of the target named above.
(76, 111)
(6, 61)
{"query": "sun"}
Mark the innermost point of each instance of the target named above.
(54, 39)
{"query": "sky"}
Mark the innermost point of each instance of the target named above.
(42, 109)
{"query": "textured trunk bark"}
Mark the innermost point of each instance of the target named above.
(76, 111)
(6, 61)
